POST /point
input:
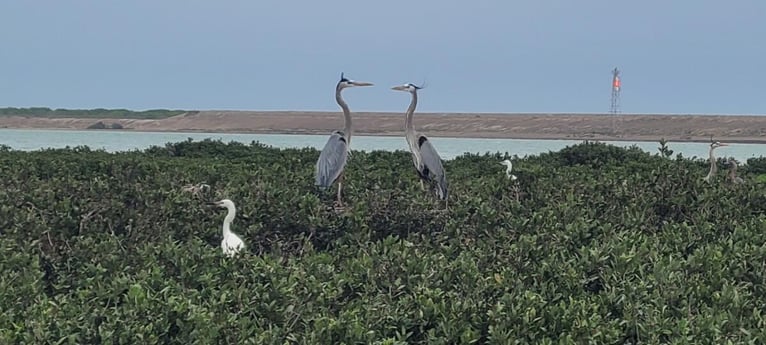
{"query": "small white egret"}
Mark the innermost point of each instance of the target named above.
(231, 243)
(508, 169)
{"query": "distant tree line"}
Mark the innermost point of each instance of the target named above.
(90, 113)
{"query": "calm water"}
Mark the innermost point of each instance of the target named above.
(23, 139)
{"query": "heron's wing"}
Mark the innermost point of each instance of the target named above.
(332, 160)
(431, 161)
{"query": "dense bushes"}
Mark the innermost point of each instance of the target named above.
(592, 243)
(757, 165)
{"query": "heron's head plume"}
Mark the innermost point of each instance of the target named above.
(409, 87)
(345, 82)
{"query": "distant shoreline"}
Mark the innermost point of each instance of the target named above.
(435, 135)
(602, 127)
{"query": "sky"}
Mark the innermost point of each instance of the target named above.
(701, 56)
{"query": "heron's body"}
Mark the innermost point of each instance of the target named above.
(713, 165)
(427, 162)
(334, 156)
(231, 244)
(508, 169)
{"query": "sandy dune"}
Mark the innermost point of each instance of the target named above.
(730, 128)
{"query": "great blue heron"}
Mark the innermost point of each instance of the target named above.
(427, 161)
(508, 169)
(231, 244)
(713, 166)
(732, 176)
(332, 161)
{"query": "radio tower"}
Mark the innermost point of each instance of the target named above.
(614, 109)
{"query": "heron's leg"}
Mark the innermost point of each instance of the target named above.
(422, 186)
(340, 187)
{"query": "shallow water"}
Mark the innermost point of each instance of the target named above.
(448, 148)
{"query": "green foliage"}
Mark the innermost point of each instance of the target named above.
(757, 165)
(665, 151)
(594, 243)
(90, 113)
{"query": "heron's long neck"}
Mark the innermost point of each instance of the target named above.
(227, 221)
(409, 130)
(713, 167)
(346, 116)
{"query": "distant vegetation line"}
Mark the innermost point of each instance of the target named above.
(90, 113)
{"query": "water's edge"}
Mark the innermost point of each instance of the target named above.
(448, 147)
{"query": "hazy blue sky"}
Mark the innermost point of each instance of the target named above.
(700, 56)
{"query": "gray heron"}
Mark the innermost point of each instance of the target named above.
(427, 161)
(713, 167)
(332, 161)
(231, 244)
(508, 169)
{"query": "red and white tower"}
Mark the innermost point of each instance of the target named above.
(614, 110)
(616, 86)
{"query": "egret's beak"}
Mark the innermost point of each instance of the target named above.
(399, 88)
(212, 203)
(361, 83)
(722, 144)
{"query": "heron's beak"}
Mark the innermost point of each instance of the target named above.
(212, 203)
(399, 88)
(722, 144)
(361, 83)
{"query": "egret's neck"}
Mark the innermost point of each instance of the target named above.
(227, 221)
(713, 167)
(409, 129)
(346, 116)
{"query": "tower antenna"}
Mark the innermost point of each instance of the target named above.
(614, 109)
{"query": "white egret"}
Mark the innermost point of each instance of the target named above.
(231, 243)
(508, 169)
